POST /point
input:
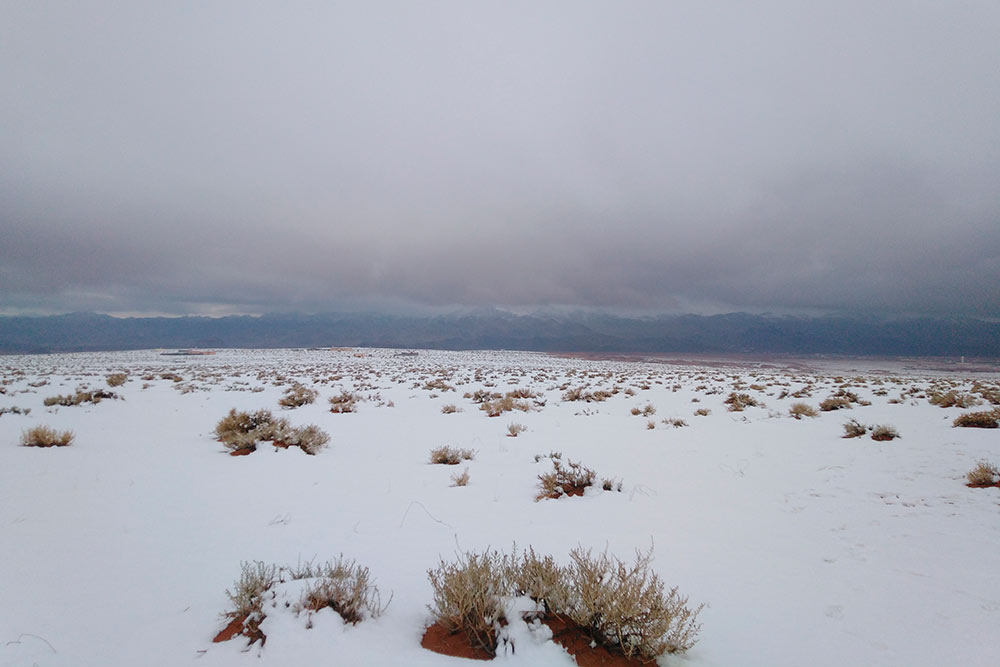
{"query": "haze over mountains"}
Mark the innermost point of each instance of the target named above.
(735, 333)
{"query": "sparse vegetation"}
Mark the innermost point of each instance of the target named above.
(854, 429)
(675, 422)
(627, 607)
(800, 410)
(514, 429)
(117, 379)
(344, 402)
(298, 395)
(450, 409)
(460, 479)
(984, 474)
(570, 480)
(44, 436)
(451, 456)
(953, 399)
(738, 402)
(834, 403)
(884, 433)
(469, 597)
(985, 419)
(81, 396)
(702, 412)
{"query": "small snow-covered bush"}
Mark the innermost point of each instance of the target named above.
(450, 409)
(43, 436)
(702, 412)
(451, 456)
(985, 419)
(297, 396)
(310, 438)
(953, 399)
(984, 474)
(834, 403)
(854, 429)
(344, 402)
(343, 586)
(514, 429)
(541, 579)
(884, 432)
(800, 410)
(460, 480)
(81, 396)
(469, 597)
(247, 597)
(627, 607)
(117, 379)
(738, 402)
(570, 480)
(675, 422)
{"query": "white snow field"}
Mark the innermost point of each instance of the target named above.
(807, 548)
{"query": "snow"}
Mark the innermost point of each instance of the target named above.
(807, 548)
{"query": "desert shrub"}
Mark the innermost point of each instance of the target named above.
(884, 432)
(505, 404)
(800, 410)
(310, 438)
(610, 484)
(570, 480)
(514, 429)
(675, 422)
(627, 607)
(738, 402)
(173, 377)
(635, 412)
(578, 394)
(469, 597)
(482, 396)
(343, 586)
(116, 379)
(834, 403)
(451, 456)
(14, 410)
(460, 479)
(44, 436)
(650, 424)
(984, 474)
(344, 402)
(241, 431)
(297, 396)
(541, 579)
(247, 597)
(985, 419)
(449, 409)
(702, 412)
(953, 399)
(438, 384)
(81, 396)
(521, 392)
(854, 429)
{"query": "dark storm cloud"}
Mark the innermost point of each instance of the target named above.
(214, 157)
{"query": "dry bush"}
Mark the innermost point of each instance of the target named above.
(482, 396)
(854, 429)
(81, 396)
(343, 586)
(451, 456)
(520, 392)
(116, 379)
(514, 429)
(702, 412)
(635, 412)
(627, 607)
(984, 474)
(469, 597)
(675, 422)
(247, 597)
(297, 396)
(738, 402)
(43, 436)
(450, 409)
(438, 384)
(953, 399)
(986, 419)
(505, 404)
(241, 431)
(578, 394)
(14, 410)
(884, 433)
(344, 402)
(611, 484)
(570, 481)
(460, 480)
(834, 403)
(310, 439)
(800, 410)
(541, 579)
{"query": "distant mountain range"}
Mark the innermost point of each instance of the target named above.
(736, 333)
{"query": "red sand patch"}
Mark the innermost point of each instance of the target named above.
(438, 639)
(984, 486)
(237, 628)
(577, 643)
(567, 491)
(242, 452)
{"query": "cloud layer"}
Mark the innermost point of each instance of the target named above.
(245, 157)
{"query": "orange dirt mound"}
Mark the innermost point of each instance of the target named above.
(438, 639)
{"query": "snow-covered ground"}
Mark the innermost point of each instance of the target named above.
(808, 549)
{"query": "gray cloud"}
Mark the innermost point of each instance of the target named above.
(243, 157)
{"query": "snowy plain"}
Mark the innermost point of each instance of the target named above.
(806, 547)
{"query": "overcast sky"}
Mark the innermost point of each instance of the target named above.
(220, 157)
